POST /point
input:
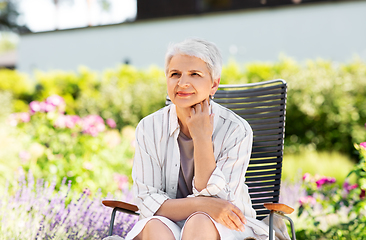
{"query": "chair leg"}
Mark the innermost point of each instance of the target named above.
(293, 237)
(271, 225)
(112, 221)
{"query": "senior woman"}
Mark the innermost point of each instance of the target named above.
(191, 157)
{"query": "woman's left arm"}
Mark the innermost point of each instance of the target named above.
(228, 174)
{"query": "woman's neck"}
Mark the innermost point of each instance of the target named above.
(182, 115)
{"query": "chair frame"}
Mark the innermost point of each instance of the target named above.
(263, 105)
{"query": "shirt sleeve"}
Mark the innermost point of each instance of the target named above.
(146, 173)
(231, 165)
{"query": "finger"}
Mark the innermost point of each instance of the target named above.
(212, 115)
(193, 110)
(240, 215)
(205, 106)
(229, 224)
(198, 107)
(239, 226)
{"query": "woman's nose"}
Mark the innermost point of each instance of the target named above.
(183, 81)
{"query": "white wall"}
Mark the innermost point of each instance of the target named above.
(334, 30)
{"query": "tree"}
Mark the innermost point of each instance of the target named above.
(9, 16)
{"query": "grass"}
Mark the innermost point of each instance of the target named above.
(330, 164)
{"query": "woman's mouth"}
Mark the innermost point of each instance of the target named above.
(184, 94)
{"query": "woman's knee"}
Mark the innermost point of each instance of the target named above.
(200, 226)
(155, 229)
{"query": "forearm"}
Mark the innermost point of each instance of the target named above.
(180, 209)
(204, 162)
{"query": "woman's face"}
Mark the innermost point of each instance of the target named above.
(189, 81)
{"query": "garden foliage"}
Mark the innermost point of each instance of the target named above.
(326, 107)
(68, 126)
(38, 211)
(88, 150)
(328, 211)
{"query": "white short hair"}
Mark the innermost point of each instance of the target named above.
(206, 51)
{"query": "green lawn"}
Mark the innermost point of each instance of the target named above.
(331, 164)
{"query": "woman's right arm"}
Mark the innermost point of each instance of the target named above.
(220, 210)
(147, 173)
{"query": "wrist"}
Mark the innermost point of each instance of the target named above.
(202, 138)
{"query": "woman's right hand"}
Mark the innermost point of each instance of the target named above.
(224, 212)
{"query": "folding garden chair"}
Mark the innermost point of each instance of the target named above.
(263, 105)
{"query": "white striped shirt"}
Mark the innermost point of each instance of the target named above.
(157, 160)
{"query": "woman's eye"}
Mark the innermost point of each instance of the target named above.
(195, 74)
(174, 75)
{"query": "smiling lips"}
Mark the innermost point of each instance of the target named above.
(184, 94)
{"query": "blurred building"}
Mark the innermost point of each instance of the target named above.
(245, 31)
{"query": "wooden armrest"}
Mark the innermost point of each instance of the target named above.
(120, 204)
(279, 207)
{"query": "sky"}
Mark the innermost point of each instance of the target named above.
(41, 15)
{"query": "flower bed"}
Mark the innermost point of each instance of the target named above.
(38, 211)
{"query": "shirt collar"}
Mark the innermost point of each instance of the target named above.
(173, 120)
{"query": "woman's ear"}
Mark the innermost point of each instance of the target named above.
(215, 86)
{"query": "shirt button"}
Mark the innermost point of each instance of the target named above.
(176, 165)
(172, 187)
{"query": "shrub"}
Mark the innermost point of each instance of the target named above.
(326, 107)
(84, 149)
(331, 212)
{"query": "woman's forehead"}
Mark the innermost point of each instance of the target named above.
(186, 62)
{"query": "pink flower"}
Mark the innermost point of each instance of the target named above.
(111, 123)
(122, 181)
(24, 116)
(47, 107)
(306, 177)
(348, 187)
(13, 120)
(24, 155)
(55, 100)
(93, 124)
(68, 121)
(363, 144)
(16, 118)
(324, 180)
(71, 121)
(35, 106)
(307, 200)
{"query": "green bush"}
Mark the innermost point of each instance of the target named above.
(326, 105)
(53, 145)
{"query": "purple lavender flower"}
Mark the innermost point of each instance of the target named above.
(38, 211)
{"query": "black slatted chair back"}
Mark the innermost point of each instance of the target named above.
(263, 105)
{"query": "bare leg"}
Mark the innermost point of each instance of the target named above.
(199, 226)
(155, 230)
